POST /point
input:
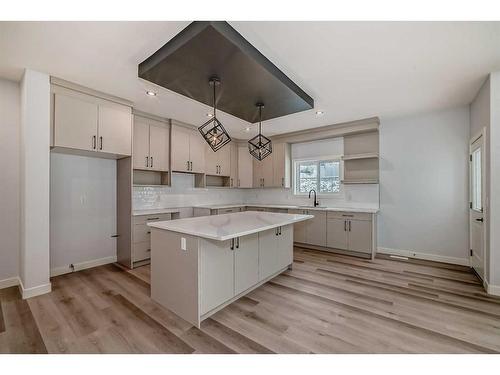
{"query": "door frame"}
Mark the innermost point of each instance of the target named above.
(481, 134)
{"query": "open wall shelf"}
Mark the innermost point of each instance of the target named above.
(361, 158)
(150, 178)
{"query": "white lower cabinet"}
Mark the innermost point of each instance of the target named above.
(141, 236)
(246, 263)
(231, 267)
(350, 231)
(217, 274)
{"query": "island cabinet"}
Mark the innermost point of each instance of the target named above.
(89, 124)
(194, 277)
(187, 149)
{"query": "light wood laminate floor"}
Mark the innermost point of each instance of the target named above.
(327, 304)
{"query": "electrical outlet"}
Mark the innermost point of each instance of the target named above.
(183, 243)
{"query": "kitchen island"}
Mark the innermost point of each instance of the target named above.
(201, 264)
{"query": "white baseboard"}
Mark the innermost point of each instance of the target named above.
(7, 283)
(492, 289)
(425, 256)
(34, 291)
(82, 266)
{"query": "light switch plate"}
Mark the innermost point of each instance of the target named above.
(183, 243)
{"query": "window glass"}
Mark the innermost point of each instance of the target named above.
(476, 180)
(320, 175)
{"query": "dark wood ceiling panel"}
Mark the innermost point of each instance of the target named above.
(208, 48)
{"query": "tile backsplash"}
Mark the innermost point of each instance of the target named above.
(182, 193)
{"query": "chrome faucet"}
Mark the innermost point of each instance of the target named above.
(316, 203)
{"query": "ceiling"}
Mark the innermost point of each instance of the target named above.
(353, 70)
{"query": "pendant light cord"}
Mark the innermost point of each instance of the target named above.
(260, 119)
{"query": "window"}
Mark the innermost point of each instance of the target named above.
(320, 175)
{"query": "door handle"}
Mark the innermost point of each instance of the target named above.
(232, 244)
(280, 230)
(191, 165)
(282, 181)
(276, 231)
(151, 161)
(345, 225)
(480, 219)
(147, 162)
(187, 165)
(93, 142)
(349, 225)
(237, 242)
(100, 139)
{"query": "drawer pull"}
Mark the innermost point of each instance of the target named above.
(347, 215)
(153, 218)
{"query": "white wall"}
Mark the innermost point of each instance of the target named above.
(9, 183)
(34, 183)
(494, 184)
(82, 211)
(424, 184)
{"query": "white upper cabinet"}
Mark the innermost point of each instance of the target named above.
(233, 149)
(151, 144)
(141, 143)
(263, 172)
(89, 123)
(159, 138)
(180, 148)
(281, 165)
(75, 123)
(115, 129)
(245, 168)
(218, 163)
(188, 150)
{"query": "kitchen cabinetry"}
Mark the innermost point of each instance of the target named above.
(299, 229)
(233, 175)
(274, 250)
(151, 145)
(141, 236)
(87, 123)
(246, 263)
(188, 150)
(350, 231)
(218, 163)
(245, 168)
(263, 174)
(281, 165)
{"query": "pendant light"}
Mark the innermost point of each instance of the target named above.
(212, 131)
(260, 146)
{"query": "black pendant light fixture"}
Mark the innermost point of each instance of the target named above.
(212, 131)
(260, 146)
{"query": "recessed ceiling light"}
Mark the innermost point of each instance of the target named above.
(210, 115)
(150, 93)
(320, 113)
(247, 129)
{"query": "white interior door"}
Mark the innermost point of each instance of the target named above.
(476, 204)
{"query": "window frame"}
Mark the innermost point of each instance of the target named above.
(318, 160)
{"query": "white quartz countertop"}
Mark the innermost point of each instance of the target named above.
(225, 227)
(368, 210)
(155, 211)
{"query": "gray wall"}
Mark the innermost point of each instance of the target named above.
(9, 182)
(424, 184)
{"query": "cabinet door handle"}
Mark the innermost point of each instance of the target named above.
(237, 242)
(282, 181)
(152, 218)
(191, 165)
(93, 142)
(100, 140)
(147, 162)
(148, 250)
(232, 244)
(276, 231)
(345, 225)
(280, 230)
(349, 225)
(151, 161)
(187, 165)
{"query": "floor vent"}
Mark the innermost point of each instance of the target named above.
(398, 257)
